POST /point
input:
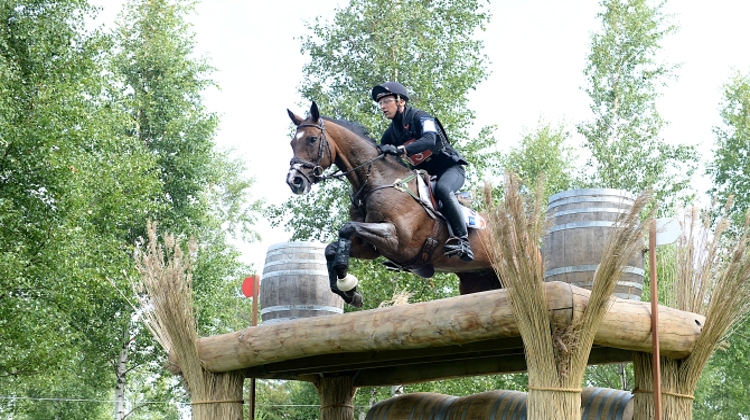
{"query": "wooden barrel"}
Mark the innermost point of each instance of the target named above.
(419, 405)
(606, 404)
(581, 225)
(596, 404)
(295, 283)
(491, 405)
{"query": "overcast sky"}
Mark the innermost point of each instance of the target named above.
(537, 50)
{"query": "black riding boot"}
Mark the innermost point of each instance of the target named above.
(458, 245)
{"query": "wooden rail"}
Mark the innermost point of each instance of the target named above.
(459, 336)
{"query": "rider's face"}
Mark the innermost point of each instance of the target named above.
(389, 106)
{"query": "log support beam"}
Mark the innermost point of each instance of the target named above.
(336, 397)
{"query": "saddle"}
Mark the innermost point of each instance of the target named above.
(424, 195)
(426, 186)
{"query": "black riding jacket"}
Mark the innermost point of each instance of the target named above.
(417, 125)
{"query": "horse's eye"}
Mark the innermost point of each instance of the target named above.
(312, 139)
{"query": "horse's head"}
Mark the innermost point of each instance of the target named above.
(312, 151)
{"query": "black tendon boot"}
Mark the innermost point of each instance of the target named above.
(458, 245)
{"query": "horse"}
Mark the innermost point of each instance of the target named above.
(387, 217)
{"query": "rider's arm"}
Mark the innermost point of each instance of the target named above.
(386, 138)
(429, 137)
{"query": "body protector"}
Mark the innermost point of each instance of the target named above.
(427, 147)
(424, 139)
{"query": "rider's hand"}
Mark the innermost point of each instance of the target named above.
(389, 149)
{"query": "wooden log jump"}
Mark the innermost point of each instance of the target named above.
(463, 322)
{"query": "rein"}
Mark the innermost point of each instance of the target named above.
(340, 174)
(358, 199)
(317, 170)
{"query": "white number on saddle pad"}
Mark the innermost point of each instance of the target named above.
(473, 219)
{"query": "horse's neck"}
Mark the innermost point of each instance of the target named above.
(354, 151)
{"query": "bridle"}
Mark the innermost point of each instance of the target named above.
(317, 170)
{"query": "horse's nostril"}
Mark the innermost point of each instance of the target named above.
(297, 181)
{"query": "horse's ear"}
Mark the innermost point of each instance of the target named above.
(314, 112)
(297, 120)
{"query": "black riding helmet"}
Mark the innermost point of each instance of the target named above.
(389, 89)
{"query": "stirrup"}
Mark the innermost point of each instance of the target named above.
(460, 247)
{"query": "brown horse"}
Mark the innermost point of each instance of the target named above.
(388, 218)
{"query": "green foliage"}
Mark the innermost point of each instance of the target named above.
(89, 151)
(724, 384)
(373, 41)
(160, 398)
(202, 191)
(379, 285)
(614, 376)
(723, 387)
(62, 188)
(288, 400)
(624, 76)
(544, 155)
(730, 167)
(163, 86)
(466, 386)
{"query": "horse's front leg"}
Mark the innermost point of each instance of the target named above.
(358, 240)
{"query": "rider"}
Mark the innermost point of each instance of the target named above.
(415, 134)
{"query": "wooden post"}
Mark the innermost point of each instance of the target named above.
(655, 320)
(254, 322)
(336, 397)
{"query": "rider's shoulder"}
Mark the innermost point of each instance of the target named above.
(418, 113)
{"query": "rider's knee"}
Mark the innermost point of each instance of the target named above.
(443, 190)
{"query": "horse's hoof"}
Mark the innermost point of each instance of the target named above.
(356, 300)
(347, 283)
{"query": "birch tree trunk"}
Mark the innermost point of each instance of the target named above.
(121, 371)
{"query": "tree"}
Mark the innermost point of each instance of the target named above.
(730, 166)
(543, 155)
(624, 76)
(64, 170)
(370, 42)
(77, 185)
(203, 191)
(725, 388)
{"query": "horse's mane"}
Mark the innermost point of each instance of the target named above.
(355, 128)
(360, 131)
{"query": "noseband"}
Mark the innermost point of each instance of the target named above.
(317, 170)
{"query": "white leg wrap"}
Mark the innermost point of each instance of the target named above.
(347, 283)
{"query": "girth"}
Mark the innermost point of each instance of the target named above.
(431, 243)
(428, 248)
